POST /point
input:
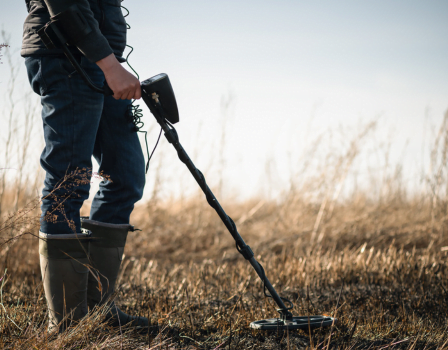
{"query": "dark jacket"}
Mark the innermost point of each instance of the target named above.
(104, 17)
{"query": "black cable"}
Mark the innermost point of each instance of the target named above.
(291, 305)
(240, 250)
(132, 49)
(158, 139)
(134, 113)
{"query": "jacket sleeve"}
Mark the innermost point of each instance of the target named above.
(94, 46)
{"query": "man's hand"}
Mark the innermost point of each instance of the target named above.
(124, 85)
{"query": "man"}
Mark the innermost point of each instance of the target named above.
(79, 123)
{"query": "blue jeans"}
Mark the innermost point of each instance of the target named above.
(78, 124)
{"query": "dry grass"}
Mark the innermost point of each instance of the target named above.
(385, 262)
(374, 257)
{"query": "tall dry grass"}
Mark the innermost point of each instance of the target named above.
(373, 255)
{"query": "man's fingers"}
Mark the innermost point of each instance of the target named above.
(135, 93)
(118, 95)
(123, 83)
(138, 93)
(130, 95)
(126, 90)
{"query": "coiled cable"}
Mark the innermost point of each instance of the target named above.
(134, 112)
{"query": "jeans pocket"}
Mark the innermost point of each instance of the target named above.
(55, 72)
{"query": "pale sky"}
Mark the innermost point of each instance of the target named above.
(294, 69)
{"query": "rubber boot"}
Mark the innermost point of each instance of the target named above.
(63, 262)
(106, 254)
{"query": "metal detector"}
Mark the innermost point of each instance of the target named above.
(158, 95)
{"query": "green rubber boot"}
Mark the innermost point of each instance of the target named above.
(106, 253)
(63, 263)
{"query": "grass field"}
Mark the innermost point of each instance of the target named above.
(373, 256)
(379, 266)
